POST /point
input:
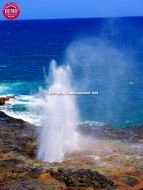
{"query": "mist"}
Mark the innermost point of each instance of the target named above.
(99, 65)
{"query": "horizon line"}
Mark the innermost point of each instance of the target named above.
(74, 18)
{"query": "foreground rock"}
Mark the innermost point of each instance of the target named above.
(18, 164)
(108, 151)
(82, 178)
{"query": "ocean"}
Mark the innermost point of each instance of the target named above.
(105, 55)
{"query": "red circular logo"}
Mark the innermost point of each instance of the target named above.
(11, 11)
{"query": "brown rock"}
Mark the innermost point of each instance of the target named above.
(4, 99)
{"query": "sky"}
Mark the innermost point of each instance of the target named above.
(51, 9)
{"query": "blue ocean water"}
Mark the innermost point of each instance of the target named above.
(105, 55)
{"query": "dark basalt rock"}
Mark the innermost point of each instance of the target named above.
(130, 134)
(16, 135)
(18, 138)
(28, 185)
(82, 178)
(15, 124)
(130, 180)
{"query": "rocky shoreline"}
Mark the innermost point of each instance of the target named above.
(4, 99)
(112, 159)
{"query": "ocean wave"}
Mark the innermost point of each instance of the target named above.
(21, 108)
(17, 87)
(21, 100)
(4, 88)
(4, 66)
(26, 116)
(93, 123)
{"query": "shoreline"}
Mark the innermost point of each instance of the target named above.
(115, 153)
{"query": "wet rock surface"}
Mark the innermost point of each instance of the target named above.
(3, 99)
(116, 154)
(131, 134)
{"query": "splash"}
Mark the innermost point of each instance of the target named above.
(59, 118)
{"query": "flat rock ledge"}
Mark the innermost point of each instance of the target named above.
(20, 170)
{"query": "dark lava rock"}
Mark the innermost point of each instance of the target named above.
(27, 185)
(130, 180)
(130, 134)
(19, 138)
(82, 178)
(16, 135)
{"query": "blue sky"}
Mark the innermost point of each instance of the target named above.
(44, 9)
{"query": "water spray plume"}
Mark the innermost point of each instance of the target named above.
(58, 134)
